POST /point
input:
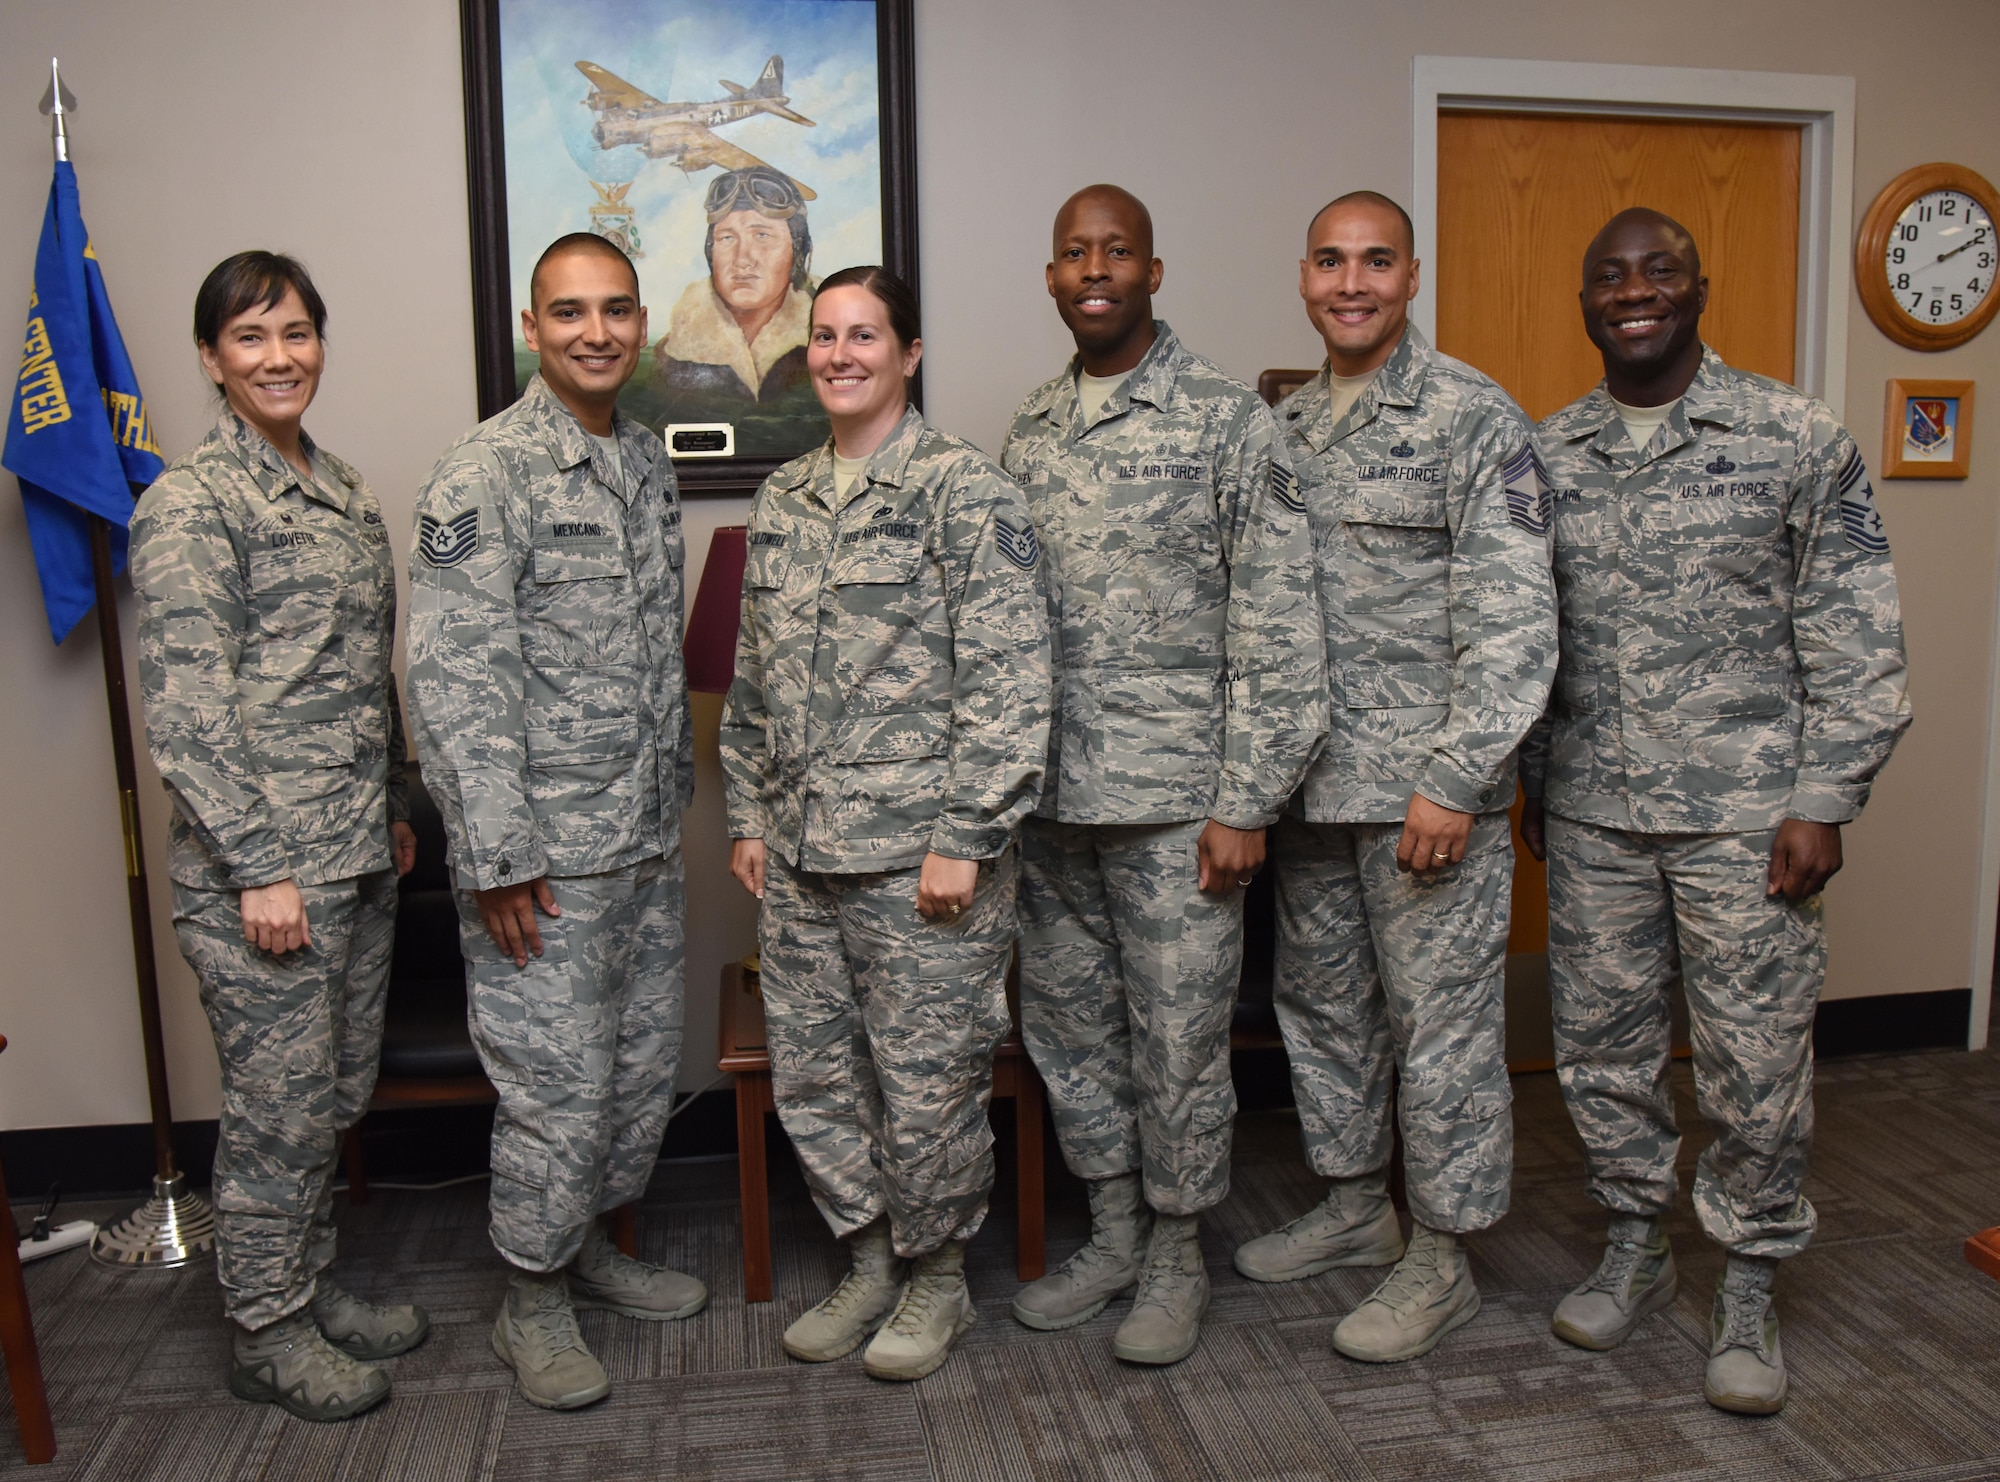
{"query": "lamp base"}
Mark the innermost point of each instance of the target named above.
(172, 1228)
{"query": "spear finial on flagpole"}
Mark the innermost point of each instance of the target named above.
(57, 102)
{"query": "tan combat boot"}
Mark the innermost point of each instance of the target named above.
(1746, 1366)
(1101, 1269)
(866, 1295)
(604, 1278)
(537, 1336)
(934, 1313)
(1428, 1294)
(290, 1365)
(1635, 1279)
(1165, 1321)
(1355, 1226)
(367, 1330)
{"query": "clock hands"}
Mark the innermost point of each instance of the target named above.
(1954, 251)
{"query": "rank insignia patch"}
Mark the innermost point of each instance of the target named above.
(449, 541)
(1019, 546)
(1285, 488)
(1527, 486)
(1858, 515)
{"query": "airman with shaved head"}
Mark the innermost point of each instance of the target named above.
(1394, 862)
(1190, 696)
(1732, 679)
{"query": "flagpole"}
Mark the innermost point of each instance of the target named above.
(174, 1226)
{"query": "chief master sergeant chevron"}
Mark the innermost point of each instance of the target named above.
(1190, 695)
(1731, 681)
(551, 716)
(1395, 868)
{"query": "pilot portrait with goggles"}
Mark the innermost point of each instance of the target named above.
(736, 340)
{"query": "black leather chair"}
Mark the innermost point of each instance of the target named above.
(427, 1054)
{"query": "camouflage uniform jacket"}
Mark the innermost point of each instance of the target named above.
(1430, 530)
(546, 682)
(1190, 672)
(267, 617)
(1732, 646)
(892, 668)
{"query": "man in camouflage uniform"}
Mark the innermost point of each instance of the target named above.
(266, 619)
(551, 715)
(890, 709)
(1190, 695)
(1395, 866)
(1732, 679)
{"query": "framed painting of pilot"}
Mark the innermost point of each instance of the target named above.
(737, 150)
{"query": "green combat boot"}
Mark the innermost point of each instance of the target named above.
(1746, 1367)
(1106, 1266)
(934, 1313)
(604, 1278)
(1165, 1321)
(1635, 1279)
(536, 1335)
(1355, 1226)
(866, 1295)
(1428, 1294)
(290, 1365)
(367, 1330)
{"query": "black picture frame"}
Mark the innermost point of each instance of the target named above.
(486, 192)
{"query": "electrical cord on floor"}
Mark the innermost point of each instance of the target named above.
(471, 1178)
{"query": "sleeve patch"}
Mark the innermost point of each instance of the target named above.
(1018, 545)
(1858, 516)
(1285, 487)
(449, 541)
(1527, 486)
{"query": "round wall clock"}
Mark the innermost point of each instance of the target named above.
(1927, 256)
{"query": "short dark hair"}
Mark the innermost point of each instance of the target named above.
(252, 279)
(890, 291)
(580, 242)
(1371, 198)
(756, 189)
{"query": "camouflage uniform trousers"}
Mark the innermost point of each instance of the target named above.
(1379, 971)
(299, 1038)
(882, 1027)
(1628, 910)
(583, 1045)
(1128, 982)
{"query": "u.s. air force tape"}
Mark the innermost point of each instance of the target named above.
(448, 541)
(1018, 545)
(1527, 486)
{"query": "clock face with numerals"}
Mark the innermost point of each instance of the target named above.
(1928, 255)
(1941, 256)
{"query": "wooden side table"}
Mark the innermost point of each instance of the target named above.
(744, 1055)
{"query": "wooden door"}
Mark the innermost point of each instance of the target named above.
(1520, 195)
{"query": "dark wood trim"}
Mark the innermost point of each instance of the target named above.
(486, 199)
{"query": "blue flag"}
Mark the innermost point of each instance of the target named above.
(78, 437)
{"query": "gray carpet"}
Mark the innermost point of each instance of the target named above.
(1891, 1339)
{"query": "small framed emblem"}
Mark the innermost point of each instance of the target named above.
(1928, 430)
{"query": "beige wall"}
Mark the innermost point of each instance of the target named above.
(334, 131)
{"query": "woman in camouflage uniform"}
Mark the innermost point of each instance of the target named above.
(267, 610)
(884, 737)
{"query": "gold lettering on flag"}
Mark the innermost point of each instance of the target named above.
(43, 400)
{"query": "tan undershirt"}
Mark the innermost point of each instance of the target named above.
(610, 446)
(1093, 391)
(845, 472)
(1346, 390)
(1642, 423)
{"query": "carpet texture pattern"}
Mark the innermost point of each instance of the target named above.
(1892, 1340)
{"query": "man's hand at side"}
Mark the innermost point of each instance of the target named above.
(1804, 857)
(1433, 836)
(509, 914)
(1227, 857)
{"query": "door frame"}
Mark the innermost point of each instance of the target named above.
(1823, 106)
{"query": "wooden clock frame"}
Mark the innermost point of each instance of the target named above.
(1873, 243)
